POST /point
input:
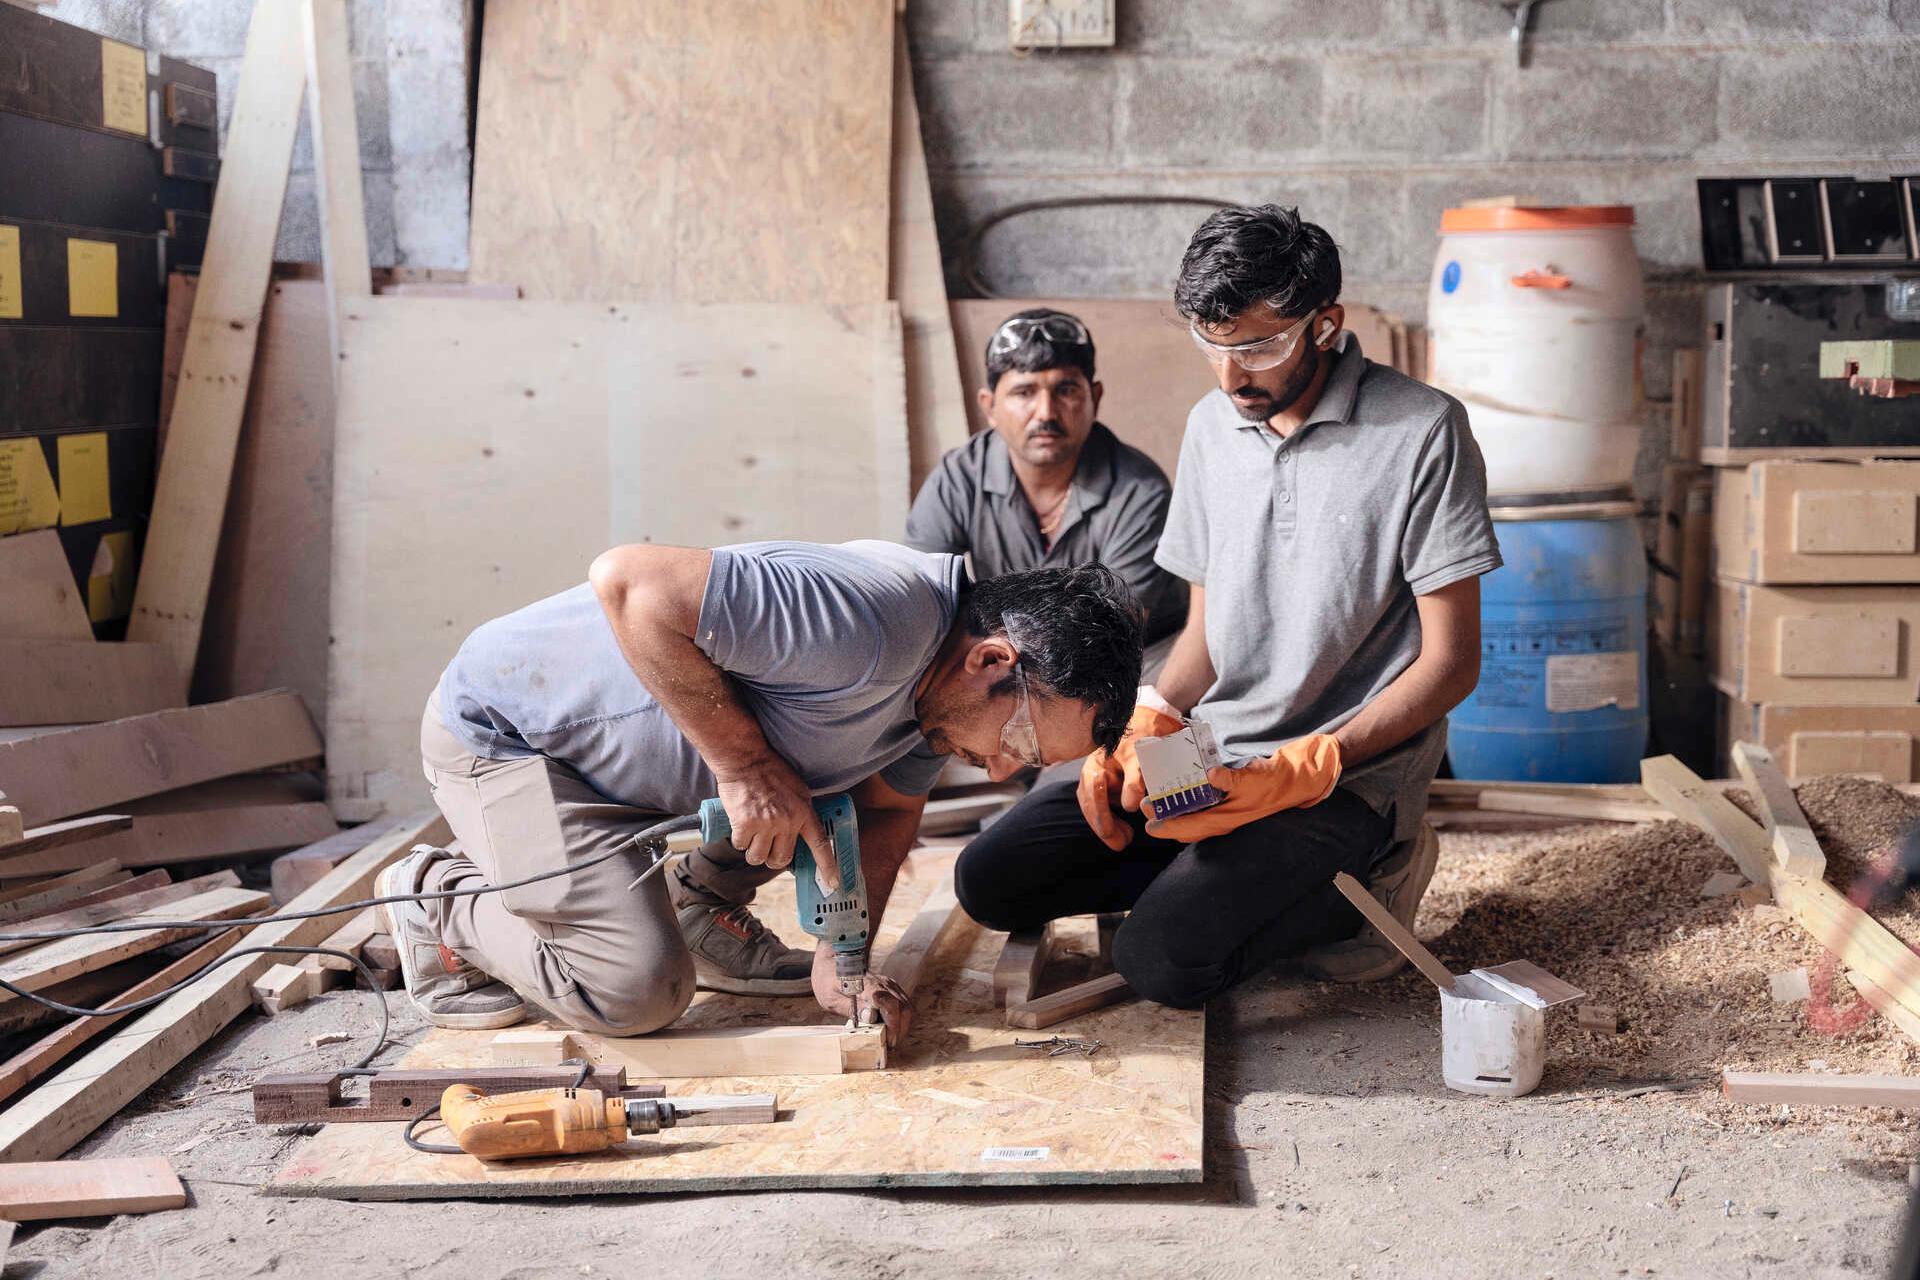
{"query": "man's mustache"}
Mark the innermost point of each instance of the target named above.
(1047, 428)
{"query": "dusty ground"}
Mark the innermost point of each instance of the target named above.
(1333, 1148)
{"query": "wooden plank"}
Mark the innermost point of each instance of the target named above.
(936, 402)
(64, 958)
(190, 493)
(517, 402)
(1692, 800)
(1889, 1008)
(906, 961)
(73, 771)
(86, 991)
(1860, 941)
(40, 1057)
(120, 889)
(88, 1188)
(72, 1104)
(58, 835)
(955, 1096)
(720, 1051)
(1794, 847)
(1576, 808)
(42, 598)
(115, 903)
(611, 136)
(336, 159)
(282, 987)
(230, 818)
(1395, 932)
(350, 938)
(1017, 973)
(400, 1095)
(1071, 1002)
(294, 873)
(83, 681)
(44, 895)
(1450, 791)
(1820, 1090)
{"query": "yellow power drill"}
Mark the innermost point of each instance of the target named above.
(566, 1122)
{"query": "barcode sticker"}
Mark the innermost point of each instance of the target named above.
(1016, 1153)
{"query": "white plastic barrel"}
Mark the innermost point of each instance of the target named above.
(1536, 315)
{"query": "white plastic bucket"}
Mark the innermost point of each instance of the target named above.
(1536, 313)
(1527, 454)
(1490, 1043)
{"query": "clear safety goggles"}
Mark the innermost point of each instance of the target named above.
(1253, 356)
(1019, 740)
(1060, 327)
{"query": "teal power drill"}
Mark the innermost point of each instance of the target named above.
(839, 918)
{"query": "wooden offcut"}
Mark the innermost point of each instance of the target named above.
(36, 1191)
(1810, 1090)
(1017, 973)
(1794, 847)
(282, 987)
(653, 151)
(1394, 932)
(190, 494)
(939, 914)
(83, 681)
(1070, 1002)
(38, 593)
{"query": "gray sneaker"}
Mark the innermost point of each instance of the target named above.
(1398, 885)
(734, 952)
(450, 991)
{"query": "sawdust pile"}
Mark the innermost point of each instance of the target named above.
(1617, 910)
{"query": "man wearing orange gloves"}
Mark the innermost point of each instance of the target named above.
(1330, 516)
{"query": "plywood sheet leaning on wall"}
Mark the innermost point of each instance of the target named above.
(537, 434)
(649, 150)
(959, 1104)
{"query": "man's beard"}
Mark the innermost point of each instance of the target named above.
(1263, 408)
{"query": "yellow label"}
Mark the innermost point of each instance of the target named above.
(93, 278)
(123, 87)
(28, 499)
(83, 478)
(110, 583)
(13, 303)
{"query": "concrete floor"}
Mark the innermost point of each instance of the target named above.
(1393, 1177)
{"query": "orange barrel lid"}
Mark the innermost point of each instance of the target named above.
(1567, 217)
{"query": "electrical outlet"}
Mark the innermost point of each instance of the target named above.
(1051, 24)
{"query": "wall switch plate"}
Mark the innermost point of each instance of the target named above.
(1053, 24)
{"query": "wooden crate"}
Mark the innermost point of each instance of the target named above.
(1810, 741)
(1818, 522)
(1843, 646)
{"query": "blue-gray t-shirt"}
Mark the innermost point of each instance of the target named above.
(824, 643)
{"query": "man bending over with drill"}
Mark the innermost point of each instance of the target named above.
(764, 674)
(1330, 515)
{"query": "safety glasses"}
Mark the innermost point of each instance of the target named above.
(1059, 327)
(1019, 740)
(1253, 356)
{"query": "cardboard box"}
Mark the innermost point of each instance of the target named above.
(1810, 741)
(1818, 522)
(1808, 646)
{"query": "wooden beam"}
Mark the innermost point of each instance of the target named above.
(73, 771)
(66, 1108)
(282, 987)
(40, 1057)
(58, 835)
(83, 681)
(336, 161)
(42, 599)
(1395, 932)
(155, 891)
(396, 1094)
(730, 1051)
(1692, 800)
(907, 961)
(1031, 1015)
(190, 494)
(1820, 1090)
(1889, 1008)
(44, 895)
(88, 1188)
(65, 958)
(1794, 848)
(351, 938)
(1017, 972)
(214, 820)
(1573, 807)
(294, 873)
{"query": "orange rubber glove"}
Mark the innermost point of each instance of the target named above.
(1300, 774)
(1110, 781)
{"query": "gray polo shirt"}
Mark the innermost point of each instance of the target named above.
(973, 504)
(1312, 548)
(824, 643)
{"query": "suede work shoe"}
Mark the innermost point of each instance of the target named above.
(1398, 885)
(449, 990)
(735, 953)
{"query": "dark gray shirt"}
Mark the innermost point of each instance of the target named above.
(1312, 548)
(973, 503)
(824, 643)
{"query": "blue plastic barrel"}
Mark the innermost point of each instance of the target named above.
(1563, 668)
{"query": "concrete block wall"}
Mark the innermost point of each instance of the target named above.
(410, 79)
(1375, 115)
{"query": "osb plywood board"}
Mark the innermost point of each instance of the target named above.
(959, 1104)
(652, 150)
(487, 451)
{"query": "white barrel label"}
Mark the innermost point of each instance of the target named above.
(1589, 681)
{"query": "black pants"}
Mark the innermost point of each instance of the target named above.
(1201, 916)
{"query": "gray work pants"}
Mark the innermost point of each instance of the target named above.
(583, 946)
